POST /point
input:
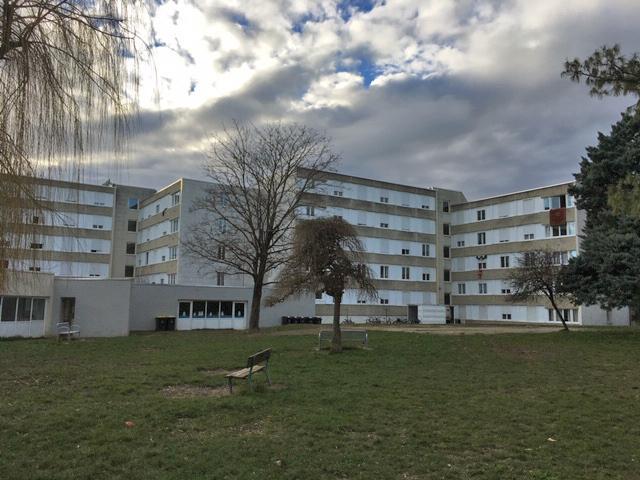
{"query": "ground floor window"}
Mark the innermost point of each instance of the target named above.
(21, 309)
(569, 314)
(211, 309)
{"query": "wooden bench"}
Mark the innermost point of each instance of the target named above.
(360, 336)
(65, 329)
(258, 362)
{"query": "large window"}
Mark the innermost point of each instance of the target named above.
(132, 226)
(21, 309)
(482, 238)
(211, 309)
(384, 271)
(133, 203)
(558, 201)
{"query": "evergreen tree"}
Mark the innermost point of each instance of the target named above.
(607, 271)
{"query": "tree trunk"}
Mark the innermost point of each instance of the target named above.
(256, 300)
(336, 342)
(562, 319)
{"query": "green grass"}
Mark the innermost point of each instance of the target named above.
(413, 406)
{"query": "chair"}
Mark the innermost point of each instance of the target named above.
(65, 329)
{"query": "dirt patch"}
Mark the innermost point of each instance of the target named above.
(194, 391)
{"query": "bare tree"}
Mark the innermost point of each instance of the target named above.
(260, 176)
(67, 78)
(326, 258)
(538, 274)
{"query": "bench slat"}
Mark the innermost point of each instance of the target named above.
(244, 373)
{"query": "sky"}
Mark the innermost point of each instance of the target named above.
(465, 95)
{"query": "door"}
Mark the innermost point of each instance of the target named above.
(412, 313)
(68, 312)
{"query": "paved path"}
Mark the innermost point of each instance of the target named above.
(432, 329)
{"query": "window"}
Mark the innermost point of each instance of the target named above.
(221, 252)
(35, 219)
(446, 251)
(4, 263)
(131, 248)
(21, 309)
(319, 295)
(34, 269)
(37, 309)
(447, 299)
(198, 309)
(9, 307)
(506, 288)
(174, 225)
(173, 253)
(445, 206)
(184, 309)
(482, 288)
(132, 203)
(504, 261)
(175, 199)
(361, 301)
(384, 271)
(482, 265)
(146, 258)
(128, 271)
(171, 278)
(226, 309)
(554, 202)
(384, 225)
(238, 309)
(405, 251)
(447, 275)
(36, 245)
(425, 249)
(164, 258)
(158, 208)
(384, 199)
(337, 193)
(461, 243)
(446, 229)
(384, 301)
(570, 201)
(506, 316)
(310, 211)
(132, 226)
(220, 279)
(529, 236)
(426, 277)
(426, 207)
(482, 238)
(556, 230)
(481, 214)
(462, 288)
(406, 273)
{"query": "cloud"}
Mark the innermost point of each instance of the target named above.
(463, 95)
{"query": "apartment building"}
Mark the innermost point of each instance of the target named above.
(405, 236)
(425, 246)
(82, 231)
(489, 236)
(165, 221)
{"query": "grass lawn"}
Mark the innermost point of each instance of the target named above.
(538, 406)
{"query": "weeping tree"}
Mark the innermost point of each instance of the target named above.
(538, 273)
(67, 87)
(260, 176)
(326, 258)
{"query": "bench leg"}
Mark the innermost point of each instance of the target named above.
(250, 383)
(266, 371)
(230, 385)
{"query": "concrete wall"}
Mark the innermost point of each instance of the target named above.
(150, 301)
(102, 305)
(594, 315)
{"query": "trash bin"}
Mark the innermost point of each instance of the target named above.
(165, 323)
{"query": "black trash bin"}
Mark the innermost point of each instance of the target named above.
(165, 323)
